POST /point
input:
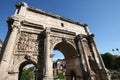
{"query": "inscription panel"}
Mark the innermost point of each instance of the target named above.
(49, 21)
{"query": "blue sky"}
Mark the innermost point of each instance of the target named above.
(102, 16)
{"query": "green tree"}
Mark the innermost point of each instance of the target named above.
(108, 58)
(28, 74)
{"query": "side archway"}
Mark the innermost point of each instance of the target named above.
(27, 70)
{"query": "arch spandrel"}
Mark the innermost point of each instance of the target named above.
(18, 60)
(67, 49)
(56, 40)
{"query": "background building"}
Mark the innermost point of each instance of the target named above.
(59, 66)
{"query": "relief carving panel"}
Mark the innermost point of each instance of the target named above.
(28, 43)
(56, 39)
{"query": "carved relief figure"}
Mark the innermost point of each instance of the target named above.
(28, 42)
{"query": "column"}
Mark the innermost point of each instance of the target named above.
(82, 62)
(104, 72)
(48, 70)
(95, 52)
(8, 52)
(91, 73)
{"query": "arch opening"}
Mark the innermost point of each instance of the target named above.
(59, 67)
(66, 48)
(63, 52)
(27, 71)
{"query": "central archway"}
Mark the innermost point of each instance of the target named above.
(66, 48)
(69, 52)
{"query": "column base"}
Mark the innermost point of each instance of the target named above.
(105, 74)
(92, 75)
(89, 75)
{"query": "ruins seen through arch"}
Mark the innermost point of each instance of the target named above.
(33, 35)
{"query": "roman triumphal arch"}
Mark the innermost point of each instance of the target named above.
(32, 36)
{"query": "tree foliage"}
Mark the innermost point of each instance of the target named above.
(28, 74)
(108, 59)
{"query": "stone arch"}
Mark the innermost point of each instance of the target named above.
(71, 59)
(23, 64)
(65, 47)
(21, 60)
(55, 41)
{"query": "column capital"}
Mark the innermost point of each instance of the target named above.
(90, 38)
(13, 23)
(80, 37)
(15, 26)
(47, 32)
(91, 35)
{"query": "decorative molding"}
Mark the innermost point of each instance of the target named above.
(63, 31)
(30, 24)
